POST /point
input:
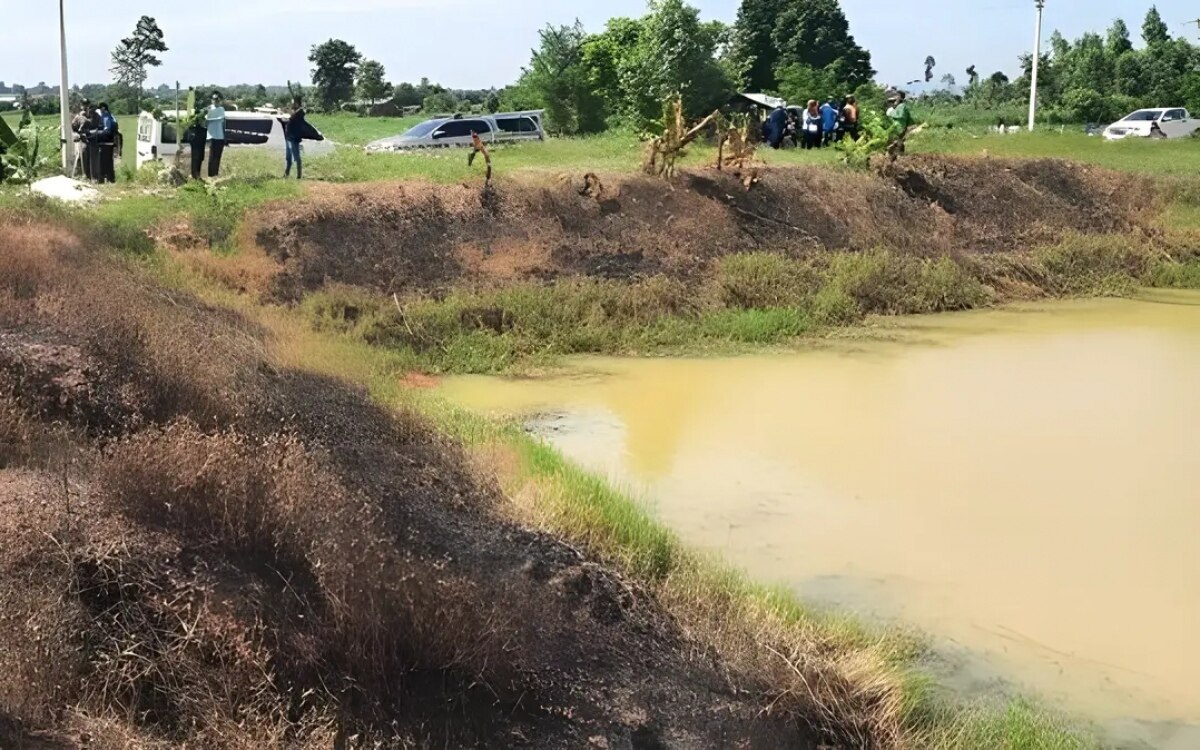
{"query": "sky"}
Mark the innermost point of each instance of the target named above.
(484, 43)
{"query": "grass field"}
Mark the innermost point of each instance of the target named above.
(622, 152)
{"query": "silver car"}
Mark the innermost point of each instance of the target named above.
(446, 132)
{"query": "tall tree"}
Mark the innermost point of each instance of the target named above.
(1059, 45)
(336, 64)
(371, 83)
(1154, 29)
(816, 33)
(754, 52)
(558, 81)
(774, 34)
(675, 55)
(135, 54)
(605, 53)
(1118, 39)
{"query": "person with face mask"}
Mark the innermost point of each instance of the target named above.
(216, 134)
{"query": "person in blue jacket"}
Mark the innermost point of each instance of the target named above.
(829, 121)
(777, 126)
(297, 129)
(101, 142)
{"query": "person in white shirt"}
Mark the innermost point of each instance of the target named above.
(216, 134)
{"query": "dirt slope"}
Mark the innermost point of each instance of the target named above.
(412, 236)
(201, 548)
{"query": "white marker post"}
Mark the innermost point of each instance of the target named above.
(64, 98)
(1037, 56)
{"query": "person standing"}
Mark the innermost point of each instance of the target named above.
(850, 118)
(296, 130)
(901, 118)
(196, 136)
(777, 126)
(812, 125)
(216, 134)
(81, 125)
(829, 121)
(101, 141)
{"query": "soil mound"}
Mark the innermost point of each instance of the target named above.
(422, 237)
(233, 556)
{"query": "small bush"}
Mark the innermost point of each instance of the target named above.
(881, 281)
(1082, 264)
(834, 306)
(757, 326)
(1176, 275)
(760, 280)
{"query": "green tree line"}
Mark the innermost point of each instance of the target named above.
(1098, 77)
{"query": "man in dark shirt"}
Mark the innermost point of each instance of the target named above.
(297, 129)
(101, 142)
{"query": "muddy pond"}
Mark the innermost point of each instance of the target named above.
(1023, 484)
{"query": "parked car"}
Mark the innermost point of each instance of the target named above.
(156, 138)
(1164, 123)
(446, 132)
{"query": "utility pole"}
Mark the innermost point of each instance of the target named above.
(1037, 55)
(64, 98)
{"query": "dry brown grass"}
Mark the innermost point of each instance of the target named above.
(251, 557)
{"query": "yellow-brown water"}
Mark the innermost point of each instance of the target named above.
(1024, 484)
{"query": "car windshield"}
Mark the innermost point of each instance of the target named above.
(424, 129)
(1144, 115)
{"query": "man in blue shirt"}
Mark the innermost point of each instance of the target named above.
(829, 121)
(216, 134)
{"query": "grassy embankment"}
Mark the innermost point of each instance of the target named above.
(717, 603)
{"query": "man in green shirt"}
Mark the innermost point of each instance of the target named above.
(899, 112)
(901, 117)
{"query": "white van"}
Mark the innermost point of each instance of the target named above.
(156, 138)
(445, 132)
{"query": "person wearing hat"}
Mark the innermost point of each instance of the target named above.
(216, 134)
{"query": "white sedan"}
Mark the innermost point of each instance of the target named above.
(1162, 123)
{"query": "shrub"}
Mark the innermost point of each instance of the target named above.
(758, 280)
(881, 281)
(1176, 275)
(757, 326)
(1082, 264)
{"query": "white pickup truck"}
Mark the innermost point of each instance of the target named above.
(1161, 123)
